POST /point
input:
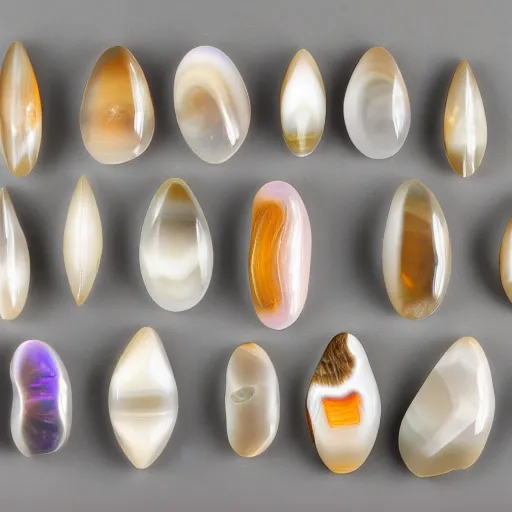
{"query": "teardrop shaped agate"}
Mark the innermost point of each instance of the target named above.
(506, 261)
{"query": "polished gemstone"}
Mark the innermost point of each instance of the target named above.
(176, 251)
(448, 422)
(83, 241)
(416, 254)
(143, 399)
(14, 261)
(279, 254)
(343, 405)
(212, 104)
(41, 407)
(506, 261)
(117, 119)
(465, 125)
(21, 115)
(376, 107)
(252, 400)
(302, 105)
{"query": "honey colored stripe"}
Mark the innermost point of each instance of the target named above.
(342, 411)
(336, 364)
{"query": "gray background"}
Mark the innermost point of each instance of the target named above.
(347, 196)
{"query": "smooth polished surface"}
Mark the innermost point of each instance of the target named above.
(343, 405)
(41, 408)
(302, 105)
(465, 124)
(279, 254)
(212, 104)
(176, 251)
(416, 253)
(448, 423)
(143, 399)
(117, 118)
(21, 114)
(506, 261)
(376, 106)
(252, 400)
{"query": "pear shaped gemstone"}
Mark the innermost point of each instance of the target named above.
(506, 261)
(117, 119)
(176, 250)
(376, 107)
(416, 254)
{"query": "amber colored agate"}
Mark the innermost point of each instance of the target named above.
(342, 411)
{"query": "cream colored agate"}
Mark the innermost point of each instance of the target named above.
(83, 241)
(506, 261)
(252, 400)
(143, 399)
(447, 424)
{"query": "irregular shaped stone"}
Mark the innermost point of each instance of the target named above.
(117, 118)
(21, 115)
(279, 254)
(465, 124)
(343, 405)
(143, 399)
(83, 241)
(302, 105)
(448, 422)
(252, 400)
(506, 261)
(212, 104)
(41, 408)
(376, 108)
(176, 250)
(416, 254)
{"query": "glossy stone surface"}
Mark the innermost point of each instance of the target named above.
(212, 104)
(83, 241)
(302, 105)
(465, 124)
(448, 422)
(343, 405)
(376, 107)
(252, 400)
(41, 408)
(117, 118)
(21, 115)
(416, 254)
(176, 251)
(279, 254)
(506, 261)
(14, 261)
(143, 399)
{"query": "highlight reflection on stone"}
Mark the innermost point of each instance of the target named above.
(143, 399)
(21, 114)
(465, 124)
(252, 400)
(343, 405)
(212, 104)
(416, 254)
(506, 261)
(302, 105)
(279, 254)
(176, 250)
(117, 118)
(376, 107)
(448, 422)
(41, 408)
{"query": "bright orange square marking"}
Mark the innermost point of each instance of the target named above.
(342, 411)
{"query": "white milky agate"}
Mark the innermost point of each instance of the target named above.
(143, 399)
(212, 104)
(448, 422)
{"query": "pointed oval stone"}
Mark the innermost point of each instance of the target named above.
(143, 399)
(21, 114)
(176, 250)
(416, 254)
(41, 408)
(252, 400)
(506, 261)
(117, 118)
(279, 254)
(465, 124)
(448, 422)
(302, 105)
(376, 108)
(212, 104)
